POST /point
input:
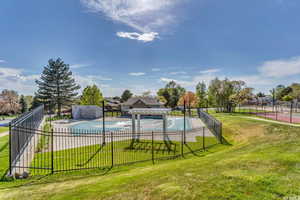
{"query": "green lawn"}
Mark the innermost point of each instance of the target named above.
(95, 156)
(263, 162)
(3, 155)
(180, 113)
(3, 129)
(250, 110)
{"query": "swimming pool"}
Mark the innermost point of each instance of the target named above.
(173, 124)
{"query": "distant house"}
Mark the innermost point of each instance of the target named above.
(112, 104)
(141, 102)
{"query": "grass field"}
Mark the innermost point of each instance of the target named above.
(3, 129)
(263, 162)
(94, 156)
(3, 155)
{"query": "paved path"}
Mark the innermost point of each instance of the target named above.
(4, 134)
(70, 140)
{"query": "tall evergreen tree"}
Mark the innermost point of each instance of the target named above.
(23, 104)
(57, 87)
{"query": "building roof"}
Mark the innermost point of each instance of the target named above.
(150, 111)
(151, 101)
(112, 100)
(112, 104)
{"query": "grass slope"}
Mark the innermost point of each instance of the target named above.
(3, 129)
(262, 163)
(95, 156)
(3, 155)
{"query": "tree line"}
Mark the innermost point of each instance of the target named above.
(57, 90)
(11, 103)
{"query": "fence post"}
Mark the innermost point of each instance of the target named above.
(152, 148)
(10, 162)
(182, 143)
(112, 149)
(221, 134)
(52, 153)
(276, 112)
(256, 107)
(291, 113)
(103, 123)
(184, 120)
(203, 138)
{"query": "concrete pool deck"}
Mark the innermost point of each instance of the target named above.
(67, 140)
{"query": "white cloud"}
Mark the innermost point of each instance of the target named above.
(185, 76)
(136, 73)
(267, 76)
(13, 78)
(209, 71)
(255, 80)
(281, 68)
(155, 69)
(106, 89)
(112, 89)
(177, 73)
(6, 72)
(2, 61)
(13, 73)
(77, 66)
(144, 37)
(206, 76)
(89, 79)
(145, 16)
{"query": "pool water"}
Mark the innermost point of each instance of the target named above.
(173, 124)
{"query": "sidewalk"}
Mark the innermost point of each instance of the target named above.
(4, 134)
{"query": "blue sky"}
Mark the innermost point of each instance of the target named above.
(142, 44)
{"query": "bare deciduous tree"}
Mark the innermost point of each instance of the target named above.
(9, 102)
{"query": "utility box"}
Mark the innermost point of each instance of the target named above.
(86, 112)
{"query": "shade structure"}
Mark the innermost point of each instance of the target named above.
(149, 111)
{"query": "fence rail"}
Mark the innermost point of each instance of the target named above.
(212, 123)
(21, 132)
(45, 150)
(279, 111)
(75, 149)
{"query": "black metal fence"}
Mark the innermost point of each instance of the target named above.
(21, 132)
(67, 149)
(212, 123)
(46, 150)
(279, 111)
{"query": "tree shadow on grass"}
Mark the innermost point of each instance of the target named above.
(158, 147)
(92, 156)
(4, 147)
(193, 151)
(225, 142)
(37, 180)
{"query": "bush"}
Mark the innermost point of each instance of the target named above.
(54, 118)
